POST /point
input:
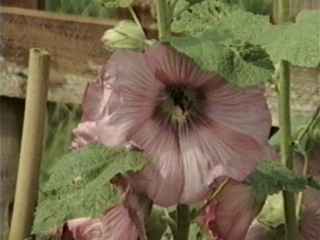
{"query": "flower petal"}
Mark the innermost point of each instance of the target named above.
(210, 150)
(310, 223)
(115, 225)
(172, 67)
(242, 110)
(162, 180)
(228, 218)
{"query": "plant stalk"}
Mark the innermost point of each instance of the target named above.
(286, 147)
(183, 222)
(31, 146)
(282, 11)
(163, 19)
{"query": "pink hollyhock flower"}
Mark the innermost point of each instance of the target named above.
(194, 125)
(230, 214)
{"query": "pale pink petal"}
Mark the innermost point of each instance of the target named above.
(258, 232)
(231, 213)
(162, 180)
(85, 134)
(210, 150)
(115, 225)
(242, 110)
(172, 67)
(310, 223)
(138, 89)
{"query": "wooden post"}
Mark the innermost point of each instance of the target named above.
(11, 117)
(31, 146)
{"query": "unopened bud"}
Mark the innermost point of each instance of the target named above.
(125, 35)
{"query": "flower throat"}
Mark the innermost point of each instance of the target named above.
(181, 104)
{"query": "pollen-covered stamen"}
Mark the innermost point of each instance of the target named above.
(181, 104)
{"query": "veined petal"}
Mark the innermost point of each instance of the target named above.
(172, 67)
(115, 225)
(228, 218)
(210, 150)
(162, 180)
(242, 110)
(310, 223)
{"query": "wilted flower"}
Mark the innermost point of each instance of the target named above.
(194, 125)
(230, 214)
(125, 35)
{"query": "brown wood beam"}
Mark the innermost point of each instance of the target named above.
(32, 4)
(73, 42)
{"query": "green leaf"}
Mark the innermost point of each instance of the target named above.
(272, 214)
(198, 17)
(156, 225)
(297, 42)
(272, 177)
(239, 63)
(257, 6)
(79, 186)
(116, 3)
(195, 233)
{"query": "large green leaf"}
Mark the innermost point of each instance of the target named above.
(241, 64)
(79, 186)
(272, 177)
(298, 43)
(200, 16)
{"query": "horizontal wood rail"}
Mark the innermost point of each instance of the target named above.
(73, 42)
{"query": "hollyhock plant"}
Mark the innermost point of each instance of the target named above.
(194, 125)
(229, 215)
(309, 223)
(125, 221)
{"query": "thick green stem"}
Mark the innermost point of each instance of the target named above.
(286, 146)
(183, 222)
(282, 11)
(163, 19)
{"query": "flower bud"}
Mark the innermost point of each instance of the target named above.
(125, 35)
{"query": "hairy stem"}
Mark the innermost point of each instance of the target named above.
(286, 147)
(183, 222)
(163, 19)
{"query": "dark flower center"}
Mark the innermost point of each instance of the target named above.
(182, 103)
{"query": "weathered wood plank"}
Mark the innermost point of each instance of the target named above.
(73, 42)
(11, 118)
(33, 4)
